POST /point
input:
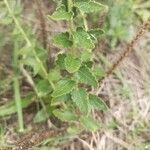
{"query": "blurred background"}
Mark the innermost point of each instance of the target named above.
(127, 91)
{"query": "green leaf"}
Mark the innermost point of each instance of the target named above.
(99, 72)
(72, 64)
(63, 87)
(10, 107)
(54, 75)
(61, 13)
(97, 103)
(80, 98)
(42, 115)
(89, 123)
(32, 62)
(62, 40)
(86, 56)
(58, 100)
(96, 33)
(61, 61)
(83, 39)
(89, 6)
(65, 115)
(43, 88)
(84, 75)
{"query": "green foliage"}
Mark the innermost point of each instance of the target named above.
(85, 75)
(83, 39)
(65, 115)
(76, 64)
(97, 103)
(89, 123)
(89, 6)
(72, 64)
(80, 98)
(62, 40)
(61, 13)
(63, 89)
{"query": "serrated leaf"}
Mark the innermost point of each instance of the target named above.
(89, 123)
(62, 40)
(80, 98)
(61, 13)
(86, 56)
(61, 61)
(54, 75)
(84, 75)
(83, 39)
(72, 64)
(89, 6)
(10, 107)
(63, 87)
(97, 103)
(65, 115)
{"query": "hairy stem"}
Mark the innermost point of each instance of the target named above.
(28, 43)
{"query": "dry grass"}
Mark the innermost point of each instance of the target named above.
(127, 93)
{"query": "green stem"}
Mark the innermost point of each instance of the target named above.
(28, 43)
(17, 96)
(17, 23)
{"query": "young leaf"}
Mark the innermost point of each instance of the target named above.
(65, 115)
(89, 6)
(54, 75)
(97, 103)
(84, 75)
(72, 64)
(80, 98)
(83, 39)
(61, 61)
(42, 115)
(43, 88)
(89, 123)
(63, 87)
(62, 40)
(61, 13)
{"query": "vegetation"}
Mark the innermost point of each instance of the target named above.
(60, 75)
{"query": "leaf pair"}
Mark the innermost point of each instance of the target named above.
(89, 6)
(85, 6)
